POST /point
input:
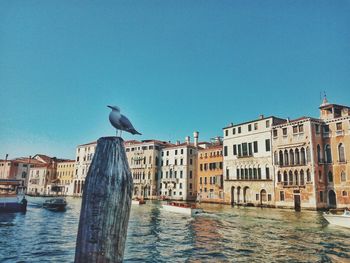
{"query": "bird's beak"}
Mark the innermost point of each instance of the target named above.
(109, 106)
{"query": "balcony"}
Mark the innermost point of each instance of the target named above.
(326, 135)
(240, 156)
(339, 133)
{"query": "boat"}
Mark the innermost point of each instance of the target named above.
(138, 202)
(55, 204)
(12, 196)
(338, 220)
(183, 208)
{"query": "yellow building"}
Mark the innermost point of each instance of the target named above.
(65, 174)
(210, 174)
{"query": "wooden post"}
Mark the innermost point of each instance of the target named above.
(106, 205)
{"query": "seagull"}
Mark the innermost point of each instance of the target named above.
(120, 122)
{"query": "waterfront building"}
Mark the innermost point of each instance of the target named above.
(177, 177)
(210, 173)
(65, 176)
(334, 156)
(43, 175)
(84, 155)
(248, 166)
(17, 168)
(144, 160)
(299, 173)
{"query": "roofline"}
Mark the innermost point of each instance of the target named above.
(239, 124)
(333, 104)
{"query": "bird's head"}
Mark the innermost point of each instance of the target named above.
(116, 108)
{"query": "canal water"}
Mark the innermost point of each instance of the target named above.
(222, 234)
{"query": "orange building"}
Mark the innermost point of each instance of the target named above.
(210, 174)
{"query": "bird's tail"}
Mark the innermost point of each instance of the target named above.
(133, 131)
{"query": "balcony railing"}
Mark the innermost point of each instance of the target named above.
(339, 133)
(245, 156)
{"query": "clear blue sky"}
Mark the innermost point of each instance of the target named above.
(172, 66)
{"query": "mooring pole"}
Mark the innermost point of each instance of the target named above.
(106, 205)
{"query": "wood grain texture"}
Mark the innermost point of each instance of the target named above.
(106, 205)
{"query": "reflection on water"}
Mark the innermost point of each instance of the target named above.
(223, 234)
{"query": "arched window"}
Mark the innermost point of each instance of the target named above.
(297, 157)
(341, 152)
(328, 154)
(286, 158)
(343, 176)
(319, 153)
(250, 174)
(275, 157)
(330, 177)
(291, 157)
(308, 156)
(302, 157)
(279, 177)
(296, 178)
(281, 158)
(308, 175)
(302, 179)
(285, 178)
(290, 178)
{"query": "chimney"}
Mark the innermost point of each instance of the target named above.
(187, 139)
(195, 136)
(261, 116)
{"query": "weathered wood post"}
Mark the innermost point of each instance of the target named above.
(106, 205)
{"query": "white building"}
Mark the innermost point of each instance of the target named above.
(248, 166)
(84, 155)
(177, 178)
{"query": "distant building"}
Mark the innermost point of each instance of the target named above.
(335, 154)
(144, 160)
(248, 167)
(84, 155)
(210, 173)
(65, 176)
(300, 178)
(177, 178)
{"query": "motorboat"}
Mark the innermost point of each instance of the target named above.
(55, 204)
(12, 196)
(338, 220)
(183, 208)
(138, 201)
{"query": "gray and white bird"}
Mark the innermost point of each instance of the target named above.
(120, 122)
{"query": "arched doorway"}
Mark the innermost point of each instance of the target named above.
(246, 194)
(232, 195)
(332, 200)
(238, 194)
(263, 197)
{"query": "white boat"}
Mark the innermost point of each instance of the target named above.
(183, 208)
(338, 220)
(138, 202)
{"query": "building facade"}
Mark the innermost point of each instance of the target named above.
(210, 174)
(248, 166)
(177, 177)
(144, 162)
(65, 176)
(84, 155)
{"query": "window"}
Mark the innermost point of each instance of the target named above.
(175, 162)
(267, 123)
(308, 175)
(245, 149)
(319, 153)
(225, 150)
(167, 153)
(205, 180)
(267, 171)
(320, 176)
(343, 176)
(181, 161)
(175, 152)
(201, 167)
(180, 186)
(190, 174)
(275, 133)
(344, 193)
(328, 154)
(330, 177)
(255, 146)
(269, 197)
(339, 126)
(239, 150)
(321, 196)
(200, 180)
(279, 178)
(284, 131)
(255, 126)
(190, 186)
(234, 149)
(239, 129)
(226, 133)
(317, 128)
(182, 151)
(301, 128)
(267, 145)
(234, 131)
(295, 129)
(257, 197)
(227, 174)
(191, 161)
(249, 127)
(341, 152)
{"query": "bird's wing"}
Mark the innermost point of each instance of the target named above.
(124, 121)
